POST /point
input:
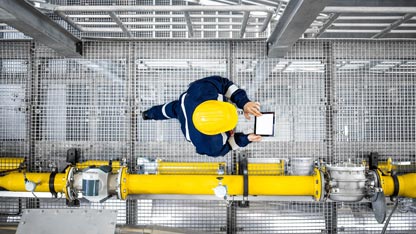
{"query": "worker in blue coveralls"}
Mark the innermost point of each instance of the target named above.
(206, 118)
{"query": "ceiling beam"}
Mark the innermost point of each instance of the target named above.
(327, 24)
(365, 35)
(371, 6)
(393, 26)
(372, 3)
(370, 9)
(27, 19)
(120, 23)
(300, 14)
(297, 17)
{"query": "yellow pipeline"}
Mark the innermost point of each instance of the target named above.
(204, 184)
(200, 168)
(407, 185)
(388, 167)
(187, 168)
(10, 163)
(16, 181)
(114, 164)
(266, 168)
(211, 168)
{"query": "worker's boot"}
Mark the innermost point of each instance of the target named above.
(145, 115)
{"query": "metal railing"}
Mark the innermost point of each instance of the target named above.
(188, 19)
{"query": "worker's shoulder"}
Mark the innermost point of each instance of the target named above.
(213, 78)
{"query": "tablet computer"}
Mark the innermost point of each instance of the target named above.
(264, 125)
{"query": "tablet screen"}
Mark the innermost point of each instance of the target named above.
(264, 125)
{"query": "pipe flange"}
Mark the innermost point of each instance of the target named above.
(69, 188)
(118, 183)
(374, 177)
(318, 178)
(122, 183)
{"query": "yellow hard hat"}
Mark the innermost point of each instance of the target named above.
(214, 117)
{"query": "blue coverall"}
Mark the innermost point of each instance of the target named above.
(210, 88)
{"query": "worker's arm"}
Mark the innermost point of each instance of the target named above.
(215, 85)
(234, 142)
(220, 85)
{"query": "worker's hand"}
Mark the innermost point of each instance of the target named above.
(252, 108)
(253, 137)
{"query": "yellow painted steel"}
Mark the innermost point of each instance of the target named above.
(82, 165)
(187, 168)
(386, 167)
(211, 168)
(407, 185)
(387, 184)
(67, 187)
(262, 185)
(266, 168)
(204, 184)
(10, 163)
(16, 181)
(318, 182)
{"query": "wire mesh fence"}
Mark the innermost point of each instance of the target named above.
(15, 70)
(334, 101)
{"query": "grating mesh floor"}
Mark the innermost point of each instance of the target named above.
(334, 100)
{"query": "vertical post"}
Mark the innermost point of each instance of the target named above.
(232, 208)
(34, 113)
(131, 108)
(154, 21)
(29, 100)
(231, 25)
(232, 218)
(329, 99)
(32, 203)
(330, 209)
(92, 126)
(131, 211)
(330, 77)
(217, 34)
(131, 204)
(229, 60)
